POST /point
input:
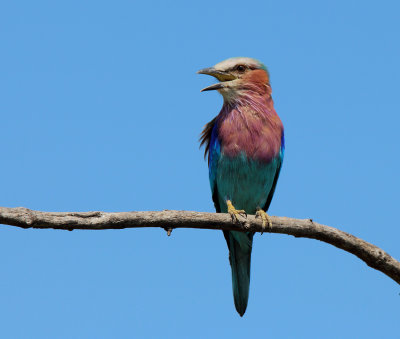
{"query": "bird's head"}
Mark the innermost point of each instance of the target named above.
(238, 76)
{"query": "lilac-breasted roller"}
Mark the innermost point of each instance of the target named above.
(245, 147)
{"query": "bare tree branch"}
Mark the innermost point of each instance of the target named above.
(373, 256)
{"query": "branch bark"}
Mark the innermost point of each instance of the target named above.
(372, 255)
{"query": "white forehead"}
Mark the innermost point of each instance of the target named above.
(232, 62)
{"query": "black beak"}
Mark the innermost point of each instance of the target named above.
(212, 71)
(220, 75)
(219, 85)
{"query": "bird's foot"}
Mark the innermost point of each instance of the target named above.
(266, 220)
(234, 212)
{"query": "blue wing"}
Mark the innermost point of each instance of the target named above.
(278, 170)
(213, 158)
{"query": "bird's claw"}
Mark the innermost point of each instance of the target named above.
(266, 220)
(234, 213)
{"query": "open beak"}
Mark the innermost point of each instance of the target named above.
(223, 77)
(218, 85)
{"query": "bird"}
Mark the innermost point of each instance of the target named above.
(245, 146)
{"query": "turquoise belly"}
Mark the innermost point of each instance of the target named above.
(245, 182)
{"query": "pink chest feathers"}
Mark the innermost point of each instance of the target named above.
(256, 132)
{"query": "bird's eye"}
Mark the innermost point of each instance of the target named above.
(240, 68)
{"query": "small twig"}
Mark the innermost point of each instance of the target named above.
(168, 230)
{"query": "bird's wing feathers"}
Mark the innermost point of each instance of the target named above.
(209, 138)
(205, 137)
(213, 159)
(278, 170)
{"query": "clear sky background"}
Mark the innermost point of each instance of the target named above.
(101, 110)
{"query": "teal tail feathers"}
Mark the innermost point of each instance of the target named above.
(240, 245)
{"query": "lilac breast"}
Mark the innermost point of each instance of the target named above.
(250, 127)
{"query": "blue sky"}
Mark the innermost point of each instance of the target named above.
(101, 110)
